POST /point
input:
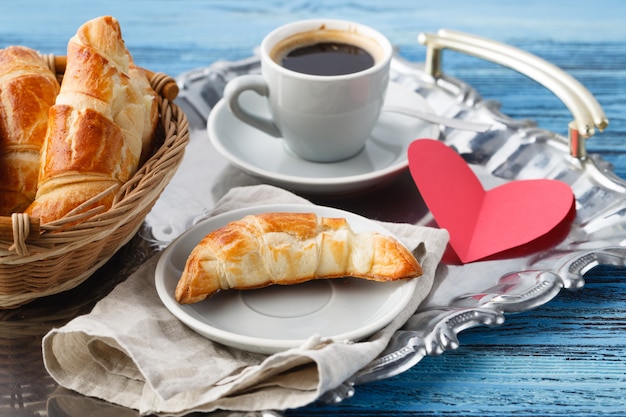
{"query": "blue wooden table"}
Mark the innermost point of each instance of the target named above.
(567, 357)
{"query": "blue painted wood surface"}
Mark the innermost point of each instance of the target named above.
(565, 358)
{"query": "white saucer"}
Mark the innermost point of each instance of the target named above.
(277, 318)
(265, 157)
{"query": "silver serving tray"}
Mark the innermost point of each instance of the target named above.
(479, 293)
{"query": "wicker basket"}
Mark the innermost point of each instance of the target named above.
(66, 253)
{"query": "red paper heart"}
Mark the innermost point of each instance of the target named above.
(484, 223)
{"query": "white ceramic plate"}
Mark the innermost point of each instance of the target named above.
(265, 157)
(277, 318)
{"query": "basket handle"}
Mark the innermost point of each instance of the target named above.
(166, 86)
(584, 107)
(19, 228)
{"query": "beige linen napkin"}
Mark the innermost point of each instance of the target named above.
(131, 351)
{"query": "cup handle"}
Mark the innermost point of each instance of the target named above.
(256, 83)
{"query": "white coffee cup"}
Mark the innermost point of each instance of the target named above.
(321, 118)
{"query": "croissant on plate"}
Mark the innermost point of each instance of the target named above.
(101, 122)
(28, 88)
(289, 248)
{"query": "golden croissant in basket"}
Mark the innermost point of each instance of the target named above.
(101, 124)
(27, 90)
(289, 248)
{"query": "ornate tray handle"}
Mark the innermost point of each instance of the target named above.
(584, 107)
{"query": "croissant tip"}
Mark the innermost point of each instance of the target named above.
(182, 294)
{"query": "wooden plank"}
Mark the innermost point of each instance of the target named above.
(566, 358)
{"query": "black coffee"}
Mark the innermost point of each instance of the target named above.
(328, 58)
